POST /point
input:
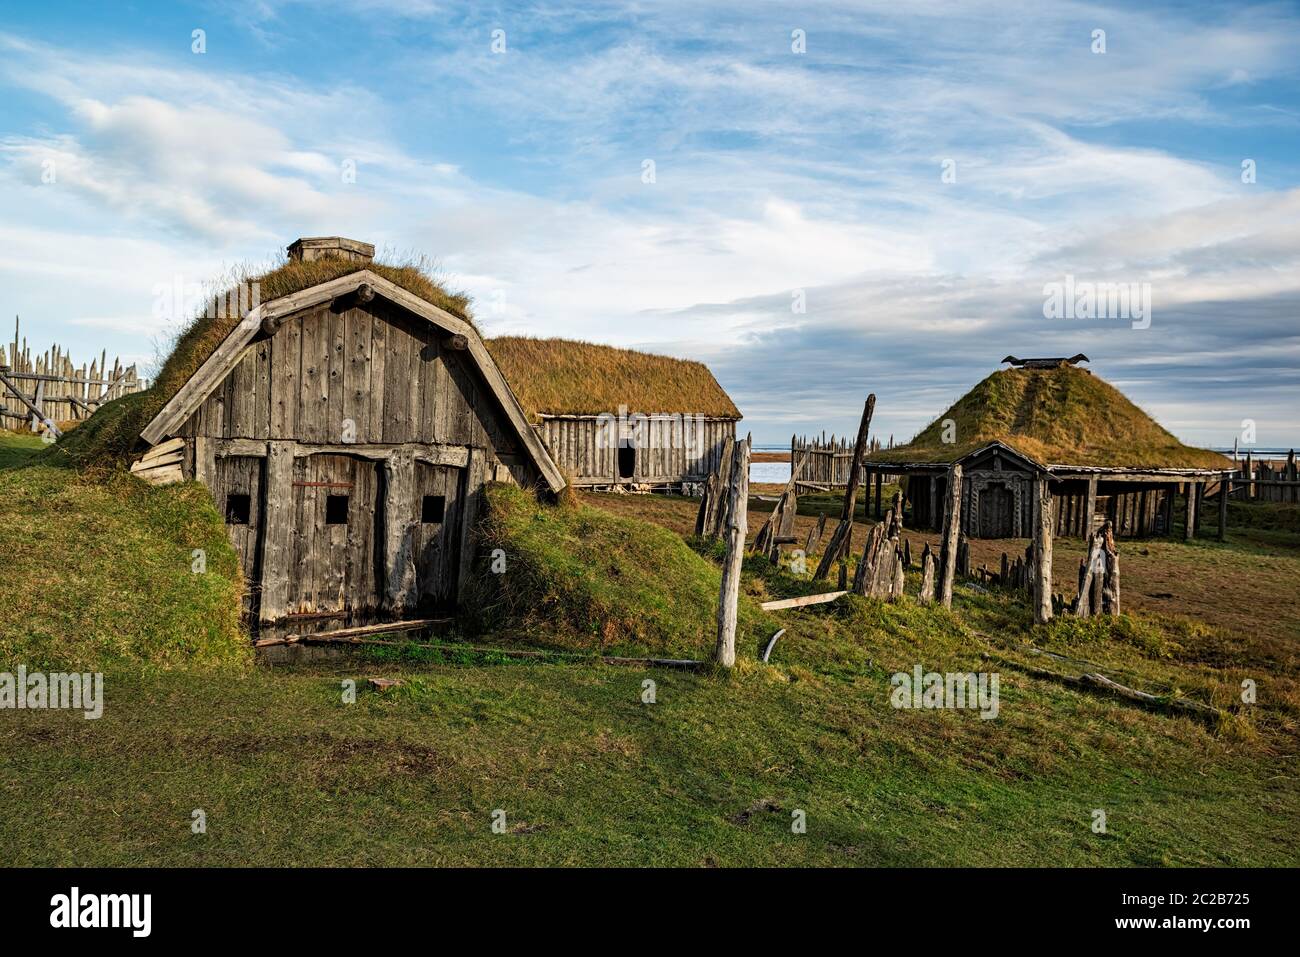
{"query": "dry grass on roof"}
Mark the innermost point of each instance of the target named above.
(568, 377)
(111, 434)
(1063, 416)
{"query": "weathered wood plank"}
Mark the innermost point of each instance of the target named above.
(277, 530)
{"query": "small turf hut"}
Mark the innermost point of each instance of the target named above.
(1105, 457)
(345, 424)
(618, 417)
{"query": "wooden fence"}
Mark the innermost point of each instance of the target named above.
(825, 462)
(1266, 481)
(49, 387)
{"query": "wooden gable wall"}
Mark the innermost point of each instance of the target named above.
(391, 375)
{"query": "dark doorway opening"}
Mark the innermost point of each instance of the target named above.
(626, 461)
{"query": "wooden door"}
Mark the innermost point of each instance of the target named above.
(437, 507)
(333, 568)
(237, 491)
(997, 506)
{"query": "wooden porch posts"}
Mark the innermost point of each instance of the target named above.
(1225, 491)
(1189, 528)
(1090, 510)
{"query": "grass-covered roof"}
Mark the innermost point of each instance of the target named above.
(1064, 416)
(112, 432)
(568, 377)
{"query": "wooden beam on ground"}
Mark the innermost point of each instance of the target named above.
(803, 601)
(358, 631)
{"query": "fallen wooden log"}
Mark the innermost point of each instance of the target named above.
(356, 631)
(1095, 681)
(802, 601)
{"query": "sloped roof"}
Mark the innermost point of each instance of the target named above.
(1062, 416)
(113, 432)
(569, 377)
(227, 352)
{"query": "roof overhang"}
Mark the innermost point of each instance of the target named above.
(224, 358)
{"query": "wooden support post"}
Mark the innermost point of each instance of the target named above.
(277, 530)
(880, 480)
(471, 507)
(399, 556)
(1042, 574)
(737, 519)
(1225, 490)
(951, 532)
(843, 533)
(1090, 509)
(1189, 529)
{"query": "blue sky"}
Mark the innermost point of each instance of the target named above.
(779, 177)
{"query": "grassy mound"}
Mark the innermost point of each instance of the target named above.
(579, 578)
(99, 574)
(566, 377)
(1063, 416)
(112, 433)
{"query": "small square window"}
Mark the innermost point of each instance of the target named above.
(336, 510)
(432, 509)
(237, 509)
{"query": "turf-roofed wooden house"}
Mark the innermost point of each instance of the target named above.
(619, 417)
(346, 428)
(1105, 458)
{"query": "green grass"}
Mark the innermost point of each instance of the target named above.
(100, 573)
(587, 773)
(580, 578)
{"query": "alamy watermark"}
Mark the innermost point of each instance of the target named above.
(179, 300)
(37, 690)
(960, 689)
(1074, 299)
(639, 430)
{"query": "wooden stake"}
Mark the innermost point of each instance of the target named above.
(951, 533)
(1042, 574)
(737, 519)
(843, 532)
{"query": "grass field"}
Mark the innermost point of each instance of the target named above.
(711, 773)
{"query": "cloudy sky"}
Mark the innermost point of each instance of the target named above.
(819, 200)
